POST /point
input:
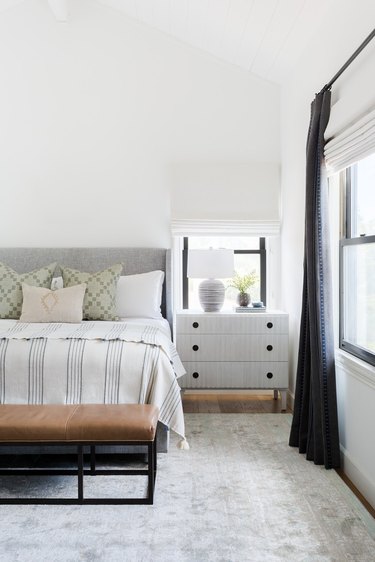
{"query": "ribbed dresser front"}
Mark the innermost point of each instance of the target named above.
(233, 350)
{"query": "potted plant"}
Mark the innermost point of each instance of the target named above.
(243, 283)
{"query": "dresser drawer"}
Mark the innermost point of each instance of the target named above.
(235, 375)
(232, 347)
(258, 323)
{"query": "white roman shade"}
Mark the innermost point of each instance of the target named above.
(230, 199)
(181, 227)
(352, 144)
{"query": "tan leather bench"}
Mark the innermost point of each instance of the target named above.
(81, 425)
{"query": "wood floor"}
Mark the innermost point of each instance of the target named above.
(355, 490)
(211, 403)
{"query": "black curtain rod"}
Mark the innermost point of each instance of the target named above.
(349, 61)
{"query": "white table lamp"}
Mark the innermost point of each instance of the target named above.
(211, 265)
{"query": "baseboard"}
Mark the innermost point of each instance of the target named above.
(360, 480)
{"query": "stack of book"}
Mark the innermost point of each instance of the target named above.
(250, 309)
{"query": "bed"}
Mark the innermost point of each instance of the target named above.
(127, 361)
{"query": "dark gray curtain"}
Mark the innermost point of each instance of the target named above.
(315, 427)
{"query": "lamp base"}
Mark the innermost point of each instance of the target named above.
(211, 295)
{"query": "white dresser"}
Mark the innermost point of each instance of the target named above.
(234, 350)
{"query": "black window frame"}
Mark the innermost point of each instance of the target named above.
(349, 180)
(263, 270)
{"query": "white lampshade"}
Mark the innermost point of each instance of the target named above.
(210, 264)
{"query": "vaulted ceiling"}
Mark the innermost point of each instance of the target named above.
(265, 37)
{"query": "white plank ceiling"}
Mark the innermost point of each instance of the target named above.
(265, 37)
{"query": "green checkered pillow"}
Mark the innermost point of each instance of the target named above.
(11, 287)
(100, 298)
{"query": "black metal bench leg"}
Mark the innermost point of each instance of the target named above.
(80, 472)
(155, 457)
(92, 458)
(151, 478)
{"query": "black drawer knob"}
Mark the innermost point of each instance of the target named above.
(269, 325)
(269, 348)
(195, 325)
(195, 375)
(269, 375)
(195, 347)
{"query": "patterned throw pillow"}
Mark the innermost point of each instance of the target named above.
(100, 298)
(11, 287)
(43, 305)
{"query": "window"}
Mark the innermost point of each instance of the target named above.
(249, 255)
(357, 261)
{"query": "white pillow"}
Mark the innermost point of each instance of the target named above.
(43, 305)
(140, 295)
(57, 283)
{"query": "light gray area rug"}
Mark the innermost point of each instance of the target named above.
(240, 494)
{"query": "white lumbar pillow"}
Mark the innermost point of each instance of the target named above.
(43, 305)
(140, 295)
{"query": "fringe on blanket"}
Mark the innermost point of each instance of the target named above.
(183, 444)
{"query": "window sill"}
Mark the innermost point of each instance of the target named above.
(355, 367)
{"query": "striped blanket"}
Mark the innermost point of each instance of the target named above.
(91, 362)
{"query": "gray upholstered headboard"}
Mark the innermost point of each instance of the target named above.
(134, 260)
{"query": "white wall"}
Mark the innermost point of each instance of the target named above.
(226, 191)
(354, 91)
(94, 112)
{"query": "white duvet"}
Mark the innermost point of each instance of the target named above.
(91, 362)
